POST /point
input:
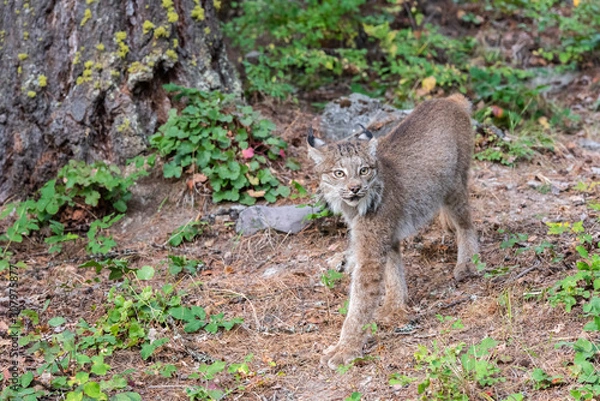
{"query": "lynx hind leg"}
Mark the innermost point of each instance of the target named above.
(457, 211)
(396, 293)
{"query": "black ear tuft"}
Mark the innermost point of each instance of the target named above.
(311, 137)
(366, 134)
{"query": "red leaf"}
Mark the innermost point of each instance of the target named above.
(497, 111)
(247, 153)
(282, 153)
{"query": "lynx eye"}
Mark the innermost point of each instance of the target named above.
(339, 173)
(364, 170)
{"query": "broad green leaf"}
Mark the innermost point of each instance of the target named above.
(26, 379)
(145, 273)
(120, 206)
(194, 325)
(98, 366)
(74, 396)
(198, 311)
(92, 390)
(128, 396)
(149, 348)
(82, 377)
(181, 313)
(56, 321)
(172, 170)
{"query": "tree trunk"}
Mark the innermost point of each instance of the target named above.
(83, 78)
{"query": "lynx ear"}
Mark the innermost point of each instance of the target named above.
(367, 135)
(313, 145)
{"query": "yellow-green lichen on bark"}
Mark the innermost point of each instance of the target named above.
(172, 17)
(77, 57)
(147, 26)
(42, 81)
(198, 11)
(123, 126)
(86, 74)
(120, 40)
(170, 53)
(161, 32)
(87, 14)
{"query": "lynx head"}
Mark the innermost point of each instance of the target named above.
(348, 171)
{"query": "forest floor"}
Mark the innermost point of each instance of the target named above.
(274, 282)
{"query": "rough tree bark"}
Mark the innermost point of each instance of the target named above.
(83, 78)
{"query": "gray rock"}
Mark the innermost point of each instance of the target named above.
(552, 81)
(288, 219)
(589, 144)
(341, 117)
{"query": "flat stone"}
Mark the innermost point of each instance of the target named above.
(288, 219)
(589, 144)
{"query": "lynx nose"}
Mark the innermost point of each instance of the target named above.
(354, 188)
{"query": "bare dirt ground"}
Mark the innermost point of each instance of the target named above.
(273, 281)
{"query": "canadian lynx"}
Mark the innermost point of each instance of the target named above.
(388, 188)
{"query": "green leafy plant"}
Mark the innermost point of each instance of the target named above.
(235, 375)
(331, 277)
(98, 243)
(452, 322)
(510, 151)
(99, 187)
(77, 373)
(576, 27)
(117, 267)
(355, 396)
(165, 370)
(96, 184)
(452, 373)
(295, 34)
(187, 232)
(55, 241)
(228, 143)
(399, 379)
(426, 57)
(581, 288)
(542, 380)
(177, 264)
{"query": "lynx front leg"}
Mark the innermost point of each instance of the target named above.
(396, 293)
(365, 292)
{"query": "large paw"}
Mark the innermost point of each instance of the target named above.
(337, 355)
(463, 271)
(390, 314)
